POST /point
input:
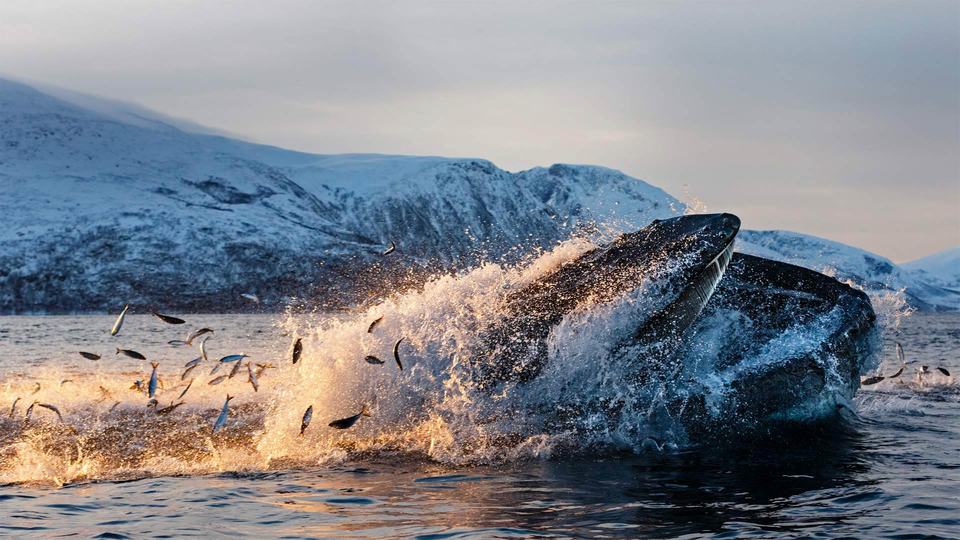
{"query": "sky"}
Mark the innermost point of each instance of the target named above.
(839, 119)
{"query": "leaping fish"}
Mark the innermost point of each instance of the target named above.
(119, 323)
(897, 374)
(197, 333)
(348, 422)
(251, 297)
(252, 378)
(224, 413)
(178, 343)
(232, 358)
(900, 356)
(131, 354)
(13, 409)
(943, 370)
(297, 350)
(203, 348)
(391, 249)
(167, 318)
(51, 408)
(90, 355)
(236, 368)
(374, 360)
(186, 372)
(152, 388)
(218, 380)
(169, 408)
(374, 324)
(396, 353)
(189, 384)
(307, 417)
(872, 380)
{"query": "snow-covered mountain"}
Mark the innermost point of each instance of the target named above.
(942, 269)
(103, 203)
(847, 263)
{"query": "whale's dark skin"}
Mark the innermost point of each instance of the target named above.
(695, 249)
(769, 297)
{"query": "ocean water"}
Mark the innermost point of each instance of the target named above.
(85, 452)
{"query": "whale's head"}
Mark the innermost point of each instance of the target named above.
(684, 257)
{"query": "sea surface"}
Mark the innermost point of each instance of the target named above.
(891, 471)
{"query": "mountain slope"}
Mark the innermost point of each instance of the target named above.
(941, 269)
(97, 211)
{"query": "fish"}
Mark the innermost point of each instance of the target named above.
(131, 354)
(224, 412)
(186, 372)
(897, 374)
(218, 380)
(35, 390)
(307, 416)
(137, 385)
(203, 348)
(168, 319)
(189, 384)
(263, 367)
(29, 412)
(349, 421)
(65, 381)
(252, 378)
(192, 363)
(944, 371)
(374, 360)
(216, 368)
(391, 249)
(197, 333)
(51, 408)
(13, 409)
(236, 368)
(112, 407)
(374, 324)
(178, 343)
(872, 380)
(297, 349)
(152, 387)
(169, 408)
(90, 355)
(232, 358)
(251, 297)
(152, 403)
(396, 353)
(119, 323)
(900, 356)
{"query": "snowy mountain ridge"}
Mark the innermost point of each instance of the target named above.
(98, 209)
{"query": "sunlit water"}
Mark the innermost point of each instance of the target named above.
(437, 456)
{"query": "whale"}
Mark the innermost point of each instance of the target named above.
(681, 258)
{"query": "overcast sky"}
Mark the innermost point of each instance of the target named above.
(840, 119)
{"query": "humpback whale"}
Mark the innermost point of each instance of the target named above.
(724, 339)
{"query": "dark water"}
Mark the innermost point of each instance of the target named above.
(893, 472)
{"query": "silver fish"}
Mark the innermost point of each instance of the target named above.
(307, 417)
(396, 353)
(13, 409)
(872, 380)
(263, 367)
(29, 411)
(152, 387)
(197, 333)
(251, 297)
(119, 323)
(391, 249)
(348, 422)
(169, 408)
(236, 368)
(900, 356)
(192, 363)
(178, 343)
(944, 371)
(203, 348)
(216, 368)
(186, 372)
(114, 406)
(232, 358)
(374, 324)
(65, 381)
(252, 378)
(897, 374)
(218, 380)
(189, 384)
(90, 355)
(131, 354)
(374, 360)
(224, 412)
(52, 408)
(168, 319)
